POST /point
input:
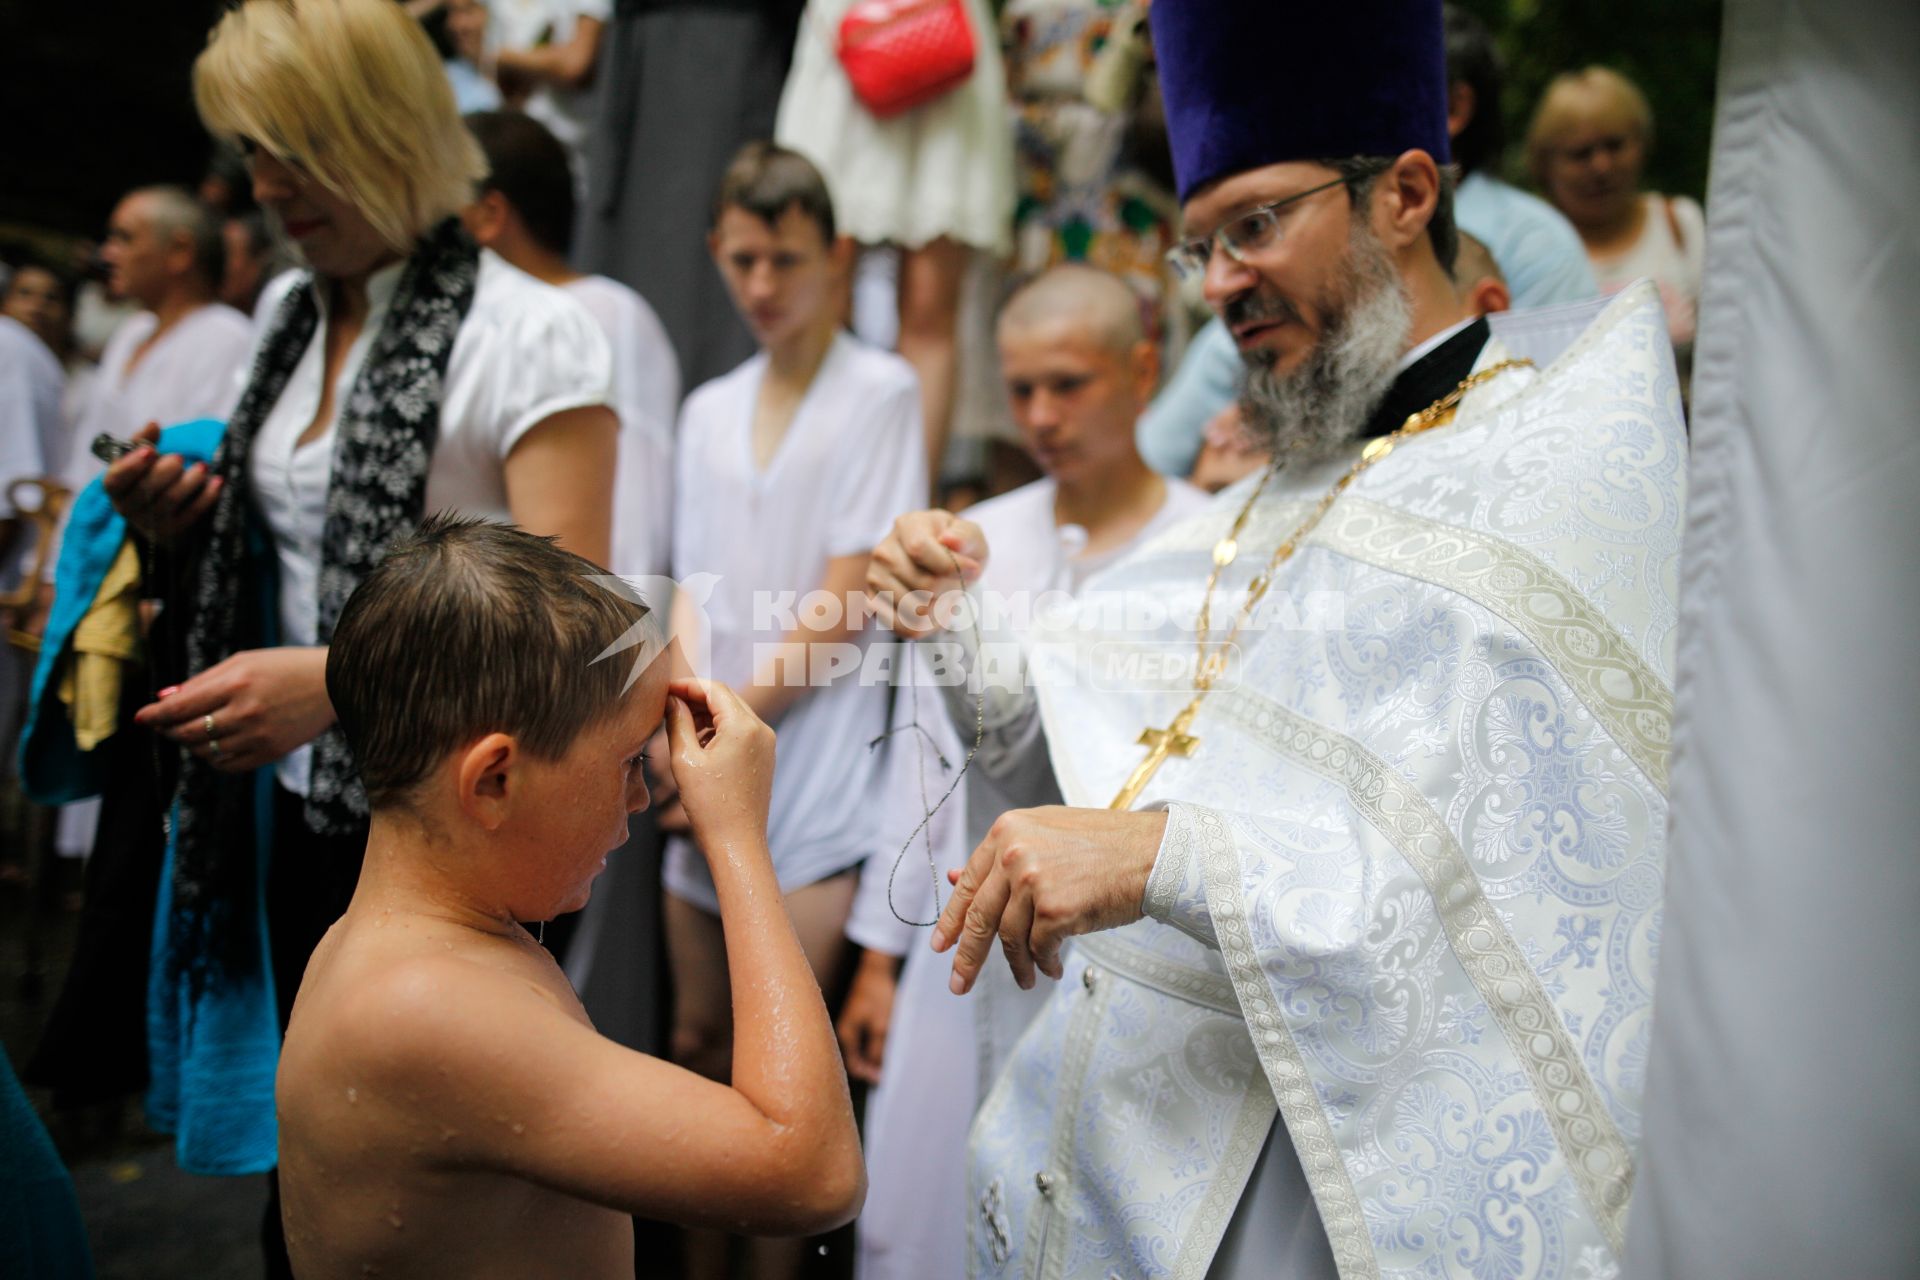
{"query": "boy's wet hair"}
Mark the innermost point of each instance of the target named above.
(469, 628)
(765, 180)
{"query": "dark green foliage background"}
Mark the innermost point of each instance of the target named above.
(1670, 48)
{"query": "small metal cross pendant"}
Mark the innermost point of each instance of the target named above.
(1174, 740)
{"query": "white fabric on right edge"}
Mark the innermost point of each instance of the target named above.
(1781, 1135)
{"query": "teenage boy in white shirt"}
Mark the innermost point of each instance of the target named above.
(789, 470)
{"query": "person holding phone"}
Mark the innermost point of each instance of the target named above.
(403, 371)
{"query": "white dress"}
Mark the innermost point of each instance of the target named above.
(942, 1051)
(646, 394)
(525, 352)
(750, 544)
(942, 169)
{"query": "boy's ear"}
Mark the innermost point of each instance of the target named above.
(841, 252)
(484, 775)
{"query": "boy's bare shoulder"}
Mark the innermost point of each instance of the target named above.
(401, 1012)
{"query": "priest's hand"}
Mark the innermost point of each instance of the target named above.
(928, 554)
(1042, 876)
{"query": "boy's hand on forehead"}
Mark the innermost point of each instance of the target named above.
(722, 755)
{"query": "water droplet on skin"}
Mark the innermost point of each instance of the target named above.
(393, 1220)
(353, 1095)
(518, 1127)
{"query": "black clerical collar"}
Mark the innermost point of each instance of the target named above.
(1427, 379)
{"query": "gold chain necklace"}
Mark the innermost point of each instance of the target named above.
(1174, 740)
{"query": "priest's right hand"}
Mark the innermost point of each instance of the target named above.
(928, 554)
(159, 494)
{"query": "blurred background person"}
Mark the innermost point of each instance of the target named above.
(1537, 251)
(935, 181)
(254, 257)
(1092, 182)
(525, 213)
(40, 296)
(404, 371)
(32, 436)
(687, 83)
(181, 356)
(1586, 148)
(544, 54)
(789, 471)
(224, 187)
(466, 33)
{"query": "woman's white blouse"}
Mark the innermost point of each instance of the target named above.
(525, 352)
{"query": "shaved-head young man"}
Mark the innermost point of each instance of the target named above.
(1079, 368)
(1363, 902)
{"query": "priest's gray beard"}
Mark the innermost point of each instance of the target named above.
(1320, 407)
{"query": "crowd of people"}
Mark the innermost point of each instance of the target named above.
(462, 264)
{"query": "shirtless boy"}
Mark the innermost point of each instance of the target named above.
(445, 1106)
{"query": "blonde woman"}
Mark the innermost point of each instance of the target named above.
(1587, 147)
(403, 371)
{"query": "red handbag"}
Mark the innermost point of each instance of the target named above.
(900, 54)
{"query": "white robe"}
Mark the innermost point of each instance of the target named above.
(750, 546)
(941, 1051)
(1409, 890)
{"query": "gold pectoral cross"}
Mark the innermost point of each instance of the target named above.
(1174, 740)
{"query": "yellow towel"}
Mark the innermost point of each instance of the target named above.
(104, 640)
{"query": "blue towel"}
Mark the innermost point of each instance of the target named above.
(212, 1050)
(53, 769)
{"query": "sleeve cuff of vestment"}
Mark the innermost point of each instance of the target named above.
(1176, 889)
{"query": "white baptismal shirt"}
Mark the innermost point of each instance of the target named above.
(646, 395)
(525, 352)
(940, 1049)
(750, 544)
(1408, 895)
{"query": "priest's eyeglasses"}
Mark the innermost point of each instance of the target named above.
(1244, 233)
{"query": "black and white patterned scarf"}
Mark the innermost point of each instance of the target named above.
(385, 435)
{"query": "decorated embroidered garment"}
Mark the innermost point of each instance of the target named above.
(1408, 897)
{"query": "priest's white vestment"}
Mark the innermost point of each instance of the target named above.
(1408, 895)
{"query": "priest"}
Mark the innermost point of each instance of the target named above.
(1364, 889)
